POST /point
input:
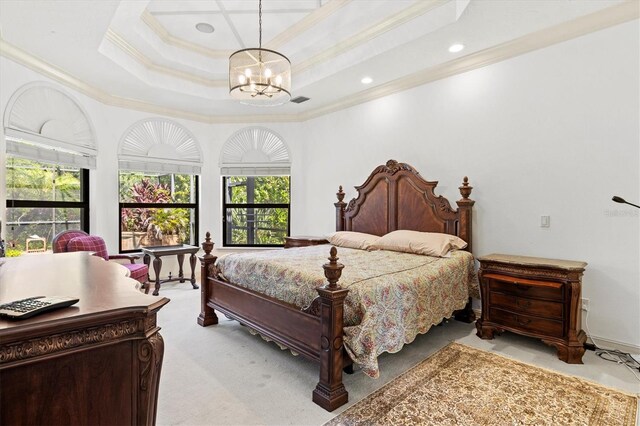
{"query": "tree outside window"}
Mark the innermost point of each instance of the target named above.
(43, 199)
(256, 210)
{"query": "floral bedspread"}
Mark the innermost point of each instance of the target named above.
(392, 296)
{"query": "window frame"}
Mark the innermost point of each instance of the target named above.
(83, 204)
(195, 206)
(225, 224)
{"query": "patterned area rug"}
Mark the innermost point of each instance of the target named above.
(460, 385)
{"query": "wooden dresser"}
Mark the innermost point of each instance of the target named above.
(95, 363)
(535, 297)
(304, 241)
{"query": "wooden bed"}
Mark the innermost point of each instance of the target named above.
(393, 197)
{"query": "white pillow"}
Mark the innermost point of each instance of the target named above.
(426, 243)
(349, 239)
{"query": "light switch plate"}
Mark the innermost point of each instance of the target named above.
(545, 221)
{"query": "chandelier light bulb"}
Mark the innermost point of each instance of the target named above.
(252, 72)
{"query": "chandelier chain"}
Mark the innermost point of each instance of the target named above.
(260, 22)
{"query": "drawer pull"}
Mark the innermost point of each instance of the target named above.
(523, 321)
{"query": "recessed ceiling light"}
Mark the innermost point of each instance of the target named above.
(203, 27)
(456, 47)
(366, 80)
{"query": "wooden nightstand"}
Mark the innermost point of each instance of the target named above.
(303, 241)
(535, 297)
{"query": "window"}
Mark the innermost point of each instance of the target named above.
(42, 200)
(255, 210)
(157, 209)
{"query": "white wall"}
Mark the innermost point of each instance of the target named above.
(554, 132)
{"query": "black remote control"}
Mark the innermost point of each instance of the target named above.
(26, 308)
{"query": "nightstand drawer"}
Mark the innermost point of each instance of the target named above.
(524, 288)
(540, 308)
(536, 325)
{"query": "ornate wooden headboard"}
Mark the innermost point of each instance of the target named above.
(395, 196)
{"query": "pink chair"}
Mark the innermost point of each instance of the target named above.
(76, 240)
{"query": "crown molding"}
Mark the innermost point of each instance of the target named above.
(119, 41)
(164, 35)
(40, 66)
(306, 23)
(290, 33)
(612, 16)
(405, 15)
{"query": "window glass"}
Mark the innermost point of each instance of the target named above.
(32, 180)
(256, 210)
(157, 210)
(42, 200)
(138, 187)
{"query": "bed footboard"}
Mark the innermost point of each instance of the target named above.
(330, 392)
(207, 314)
(317, 335)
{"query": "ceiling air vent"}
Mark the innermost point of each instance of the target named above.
(299, 99)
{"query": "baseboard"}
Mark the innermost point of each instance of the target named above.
(605, 343)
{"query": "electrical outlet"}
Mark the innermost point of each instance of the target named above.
(585, 304)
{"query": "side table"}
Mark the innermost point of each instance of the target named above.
(303, 241)
(535, 297)
(178, 250)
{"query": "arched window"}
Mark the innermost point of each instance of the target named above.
(255, 166)
(159, 163)
(50, 145)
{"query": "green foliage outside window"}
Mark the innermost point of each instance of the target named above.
(162, 226)
(29, 180)
(32, 180)
(253, 224)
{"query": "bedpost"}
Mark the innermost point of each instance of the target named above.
(207, 315)
(340, 209)
(330, 392)
(465, 206)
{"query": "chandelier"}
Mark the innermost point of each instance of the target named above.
(260, 76)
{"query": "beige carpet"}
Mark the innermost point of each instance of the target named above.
(460, 385)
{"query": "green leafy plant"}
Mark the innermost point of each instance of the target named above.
(139, 219)
(11, 252)
(172, 221)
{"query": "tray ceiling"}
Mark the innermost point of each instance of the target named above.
(148, 54)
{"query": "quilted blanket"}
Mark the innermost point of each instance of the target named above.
(392, 296)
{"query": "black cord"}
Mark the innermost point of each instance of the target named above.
(618, 357)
